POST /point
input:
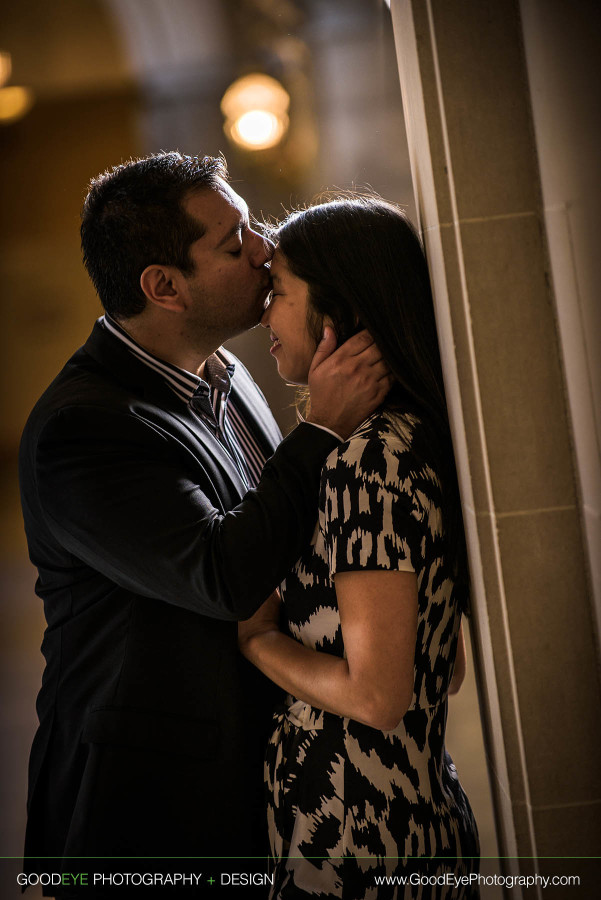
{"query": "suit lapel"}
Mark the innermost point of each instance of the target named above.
(208, 443)
(169, 410)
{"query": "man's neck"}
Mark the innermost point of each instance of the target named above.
(168, 344)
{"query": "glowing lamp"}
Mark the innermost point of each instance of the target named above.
(255, 109)
(15, 102)
(6, 67)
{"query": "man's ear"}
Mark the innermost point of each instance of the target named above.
(161, 287)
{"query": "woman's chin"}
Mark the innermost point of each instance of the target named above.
(298, 379)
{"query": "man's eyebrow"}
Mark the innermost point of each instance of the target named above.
(275, 276)
(244, 220)
(229, 234)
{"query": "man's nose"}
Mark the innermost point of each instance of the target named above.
(262, 249)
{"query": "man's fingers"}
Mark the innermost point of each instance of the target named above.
(380, 370)
(366, 352)
(325, 348)
(359, 342)
(377, 364)
(350, 385)
(360, 347)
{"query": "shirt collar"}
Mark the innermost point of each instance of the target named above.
(219, 370)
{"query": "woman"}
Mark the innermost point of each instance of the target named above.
(371, 645)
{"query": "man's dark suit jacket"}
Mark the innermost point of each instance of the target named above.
(152, 726)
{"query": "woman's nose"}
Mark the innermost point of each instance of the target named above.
(265, 317)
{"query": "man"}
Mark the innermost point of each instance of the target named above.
(135, 467)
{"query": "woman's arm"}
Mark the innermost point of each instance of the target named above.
(374, 684)
(460, 664)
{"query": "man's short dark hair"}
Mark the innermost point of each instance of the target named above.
(133, 217)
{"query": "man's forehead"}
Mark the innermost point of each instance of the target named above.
(211, 204)
(231, 196)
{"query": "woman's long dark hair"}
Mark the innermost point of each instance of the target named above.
(365, 267)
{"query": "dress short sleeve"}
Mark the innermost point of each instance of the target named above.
(369, 512)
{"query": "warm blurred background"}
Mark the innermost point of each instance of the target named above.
(110, 79)
(89, 83)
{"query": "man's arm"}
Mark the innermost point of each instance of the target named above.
(117, 493)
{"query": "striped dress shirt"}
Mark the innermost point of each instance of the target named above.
(209, 399)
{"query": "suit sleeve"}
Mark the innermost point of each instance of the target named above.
(114, 495)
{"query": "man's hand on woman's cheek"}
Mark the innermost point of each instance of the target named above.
(347, 383)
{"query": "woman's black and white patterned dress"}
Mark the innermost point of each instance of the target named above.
(359, 799)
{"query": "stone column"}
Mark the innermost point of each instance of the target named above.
(477, 180)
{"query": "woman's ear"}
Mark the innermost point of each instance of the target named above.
(160, 285)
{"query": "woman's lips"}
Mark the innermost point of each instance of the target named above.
(275, 344)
